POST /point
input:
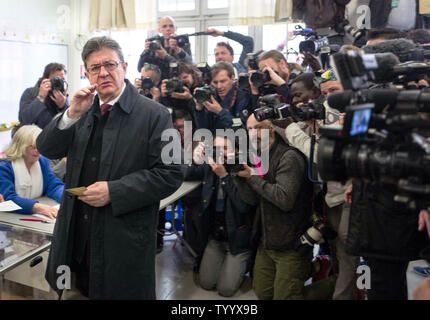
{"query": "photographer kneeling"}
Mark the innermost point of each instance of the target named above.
(226, 223)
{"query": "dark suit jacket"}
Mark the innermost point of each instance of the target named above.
(123, 234)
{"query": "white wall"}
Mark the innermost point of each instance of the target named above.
(42, 21)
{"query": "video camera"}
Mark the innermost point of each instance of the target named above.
(272, 108)
(313, 42)
(379, 140)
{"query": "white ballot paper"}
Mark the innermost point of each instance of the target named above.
(8, 206)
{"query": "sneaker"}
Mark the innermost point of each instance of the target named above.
(324, 268)
(422, 271)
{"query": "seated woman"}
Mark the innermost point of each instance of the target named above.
(25, 175)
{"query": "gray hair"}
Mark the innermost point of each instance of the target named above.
(97, 44)
(152, 67)
(23, 137)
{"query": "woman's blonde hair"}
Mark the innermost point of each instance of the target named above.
(23, 137)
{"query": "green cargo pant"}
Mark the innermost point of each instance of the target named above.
(280, 275)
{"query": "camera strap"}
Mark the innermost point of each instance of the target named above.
(234, 95)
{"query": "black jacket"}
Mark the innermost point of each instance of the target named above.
(33, 111)
(381, 228)
(283, 196)
(123, 233)
(238, 214)
(163, 64)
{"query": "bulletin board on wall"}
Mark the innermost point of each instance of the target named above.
(21, 65)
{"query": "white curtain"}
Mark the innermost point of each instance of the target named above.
(146, 14)
(251, 12)
(123, 14)
(283, 10)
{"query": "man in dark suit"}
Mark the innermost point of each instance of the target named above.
(112, 141)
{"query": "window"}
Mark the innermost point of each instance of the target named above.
(189, 30)
(237, 47)
(282, 42)
(217, 4)
(176, 5)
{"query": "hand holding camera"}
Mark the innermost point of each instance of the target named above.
(45, 87)
(275, 79)
(58, 98)
(186, 95)
(173, 43)
(213, 105)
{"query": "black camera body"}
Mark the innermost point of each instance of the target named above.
(259, 78)
(182, 40)
(272, 108)
(252, 59)
(59, 84)
(147, 83)
(175, 85)
(155, 43)
(204, 93)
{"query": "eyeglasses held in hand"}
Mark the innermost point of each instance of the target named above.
(108, 65)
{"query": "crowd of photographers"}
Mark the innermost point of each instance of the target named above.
(321, 185)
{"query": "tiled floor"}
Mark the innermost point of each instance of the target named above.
(175, 279)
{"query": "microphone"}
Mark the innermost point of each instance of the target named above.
(396, 46)
(386, 64)
(382, 98)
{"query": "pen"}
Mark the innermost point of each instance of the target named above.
(37, 220)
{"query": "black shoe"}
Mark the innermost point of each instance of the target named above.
(159, 247)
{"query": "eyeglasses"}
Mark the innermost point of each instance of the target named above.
(108, 65)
